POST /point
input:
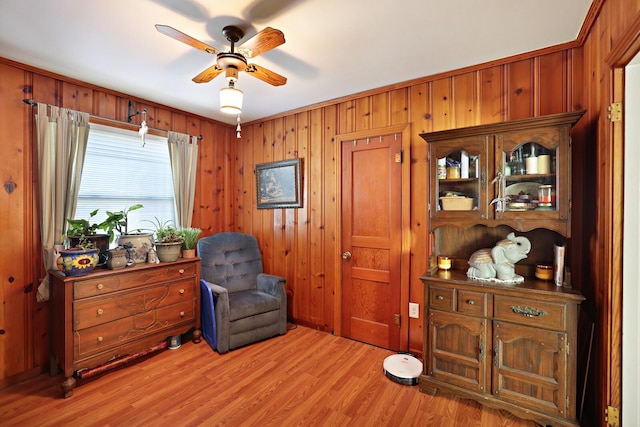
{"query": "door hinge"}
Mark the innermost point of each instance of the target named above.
(612, 416)
(615, 111)
(399, 157)
(396, 319)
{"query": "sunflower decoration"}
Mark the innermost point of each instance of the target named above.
(77, 262)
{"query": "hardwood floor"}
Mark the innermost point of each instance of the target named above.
(306, 378)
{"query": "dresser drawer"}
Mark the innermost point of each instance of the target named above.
(110, 335)
(472, 303)
(101, 285)
(90, 312)
(441, 298)
(541, 314)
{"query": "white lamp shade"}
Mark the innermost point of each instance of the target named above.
(231, 100)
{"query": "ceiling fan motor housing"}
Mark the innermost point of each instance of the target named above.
(226, 60)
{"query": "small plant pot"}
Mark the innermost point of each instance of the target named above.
(168, 252)
(188, 253)
(77, 262)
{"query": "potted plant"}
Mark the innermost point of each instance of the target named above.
(78, 229)
(168, 241)
(190, 239)
(80, 259)
(136, 242)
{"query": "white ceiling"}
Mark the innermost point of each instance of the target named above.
(333, 47)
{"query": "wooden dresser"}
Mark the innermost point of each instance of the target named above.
(509, 347)
(110, 314)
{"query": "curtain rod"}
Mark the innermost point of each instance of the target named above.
(106, 121)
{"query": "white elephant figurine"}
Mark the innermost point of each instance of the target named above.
(498, 264)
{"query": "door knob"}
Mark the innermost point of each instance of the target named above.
(346, 255)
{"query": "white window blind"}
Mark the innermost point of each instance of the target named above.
(118, 172)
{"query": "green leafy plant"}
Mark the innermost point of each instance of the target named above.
(83, 227)
(165, 232)
(190, 236)
(118, 221)
(83, 244)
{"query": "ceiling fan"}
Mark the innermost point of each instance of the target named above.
(236, 59)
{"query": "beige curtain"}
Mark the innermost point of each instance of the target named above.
(184, 161)
(62, 136)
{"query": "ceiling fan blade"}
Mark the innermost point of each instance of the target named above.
(186, 39)
(265, 75)
(262, 42)
(208, 74)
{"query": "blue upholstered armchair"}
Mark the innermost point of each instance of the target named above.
(249, 305)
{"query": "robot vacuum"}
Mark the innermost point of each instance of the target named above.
(402, 368)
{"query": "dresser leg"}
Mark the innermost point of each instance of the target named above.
(196, 336)
(67, 386)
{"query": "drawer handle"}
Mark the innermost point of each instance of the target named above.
(440, 298)
(100, 311)
(99, 339)
(527, 311)
(181, 271)
(181, 291)
(471, 302)
(182, 314)
(100, 286)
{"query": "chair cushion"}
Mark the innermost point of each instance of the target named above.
(249, 303)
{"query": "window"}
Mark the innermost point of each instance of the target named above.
(118, 172)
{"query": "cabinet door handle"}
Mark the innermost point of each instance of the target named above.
(471, 302)
(99, 339)
(527, 311)
(181, 291)
(100, 286)
(440, 298)
(182, 314)
(100, 311)
(181, 271)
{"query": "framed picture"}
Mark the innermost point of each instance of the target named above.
(278, 184)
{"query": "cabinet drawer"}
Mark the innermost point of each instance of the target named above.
(472, 303)
(117, 282)
(90, 312)
(110, 335)
(441, 298)
(541, 314)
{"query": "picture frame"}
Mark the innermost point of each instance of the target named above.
(278, 184)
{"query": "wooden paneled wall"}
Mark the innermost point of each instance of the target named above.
(302, 244)
(24, 341)
(612, 27)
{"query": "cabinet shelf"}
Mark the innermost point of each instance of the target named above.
(494, 148)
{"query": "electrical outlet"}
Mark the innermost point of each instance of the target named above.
(414, 310)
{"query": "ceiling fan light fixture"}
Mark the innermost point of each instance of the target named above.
(231, 99)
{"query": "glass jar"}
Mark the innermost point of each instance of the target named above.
(444, 262)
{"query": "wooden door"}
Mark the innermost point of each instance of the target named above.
(371, 239)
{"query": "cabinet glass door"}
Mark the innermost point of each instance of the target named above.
(531, 171)
(458, 171)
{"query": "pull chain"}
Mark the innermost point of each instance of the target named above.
(238, 128)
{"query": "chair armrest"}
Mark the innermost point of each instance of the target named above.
(221, 308)
(271, 284)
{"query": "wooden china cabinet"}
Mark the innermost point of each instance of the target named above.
(510, 347)
(109, 315)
